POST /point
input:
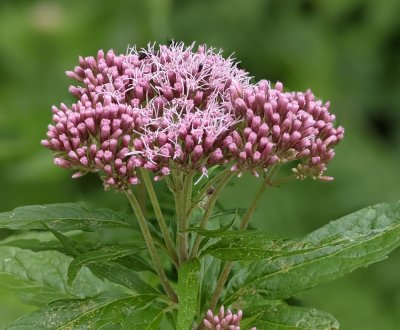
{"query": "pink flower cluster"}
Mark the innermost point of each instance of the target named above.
(279, 127)
(154, 108)
(173, 107)
(223, 321)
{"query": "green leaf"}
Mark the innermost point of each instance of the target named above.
(103, 254)
(122, 271)
(64, 217)
(122, 275)
(225, 213)
(188, 290)
(35, 245)
(105, 312)
(41, 277)
(135, 262)
(69, 245)
(219, 216)
(210, 273)
(342, 246)
(280, 316)
(214, 232)
(254, 245)
(98, 262)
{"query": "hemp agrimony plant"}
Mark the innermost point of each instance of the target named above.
(169, 127)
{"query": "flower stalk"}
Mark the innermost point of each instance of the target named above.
(160, 218)
(243, 225)
(210, 207)
(210, 183)
(182, 200)
(150, 245)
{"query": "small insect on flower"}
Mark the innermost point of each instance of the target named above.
(143, 55)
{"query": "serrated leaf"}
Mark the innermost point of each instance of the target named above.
(119, 274)
(225, 213)
(280, 316)
(136, 263)
(98, 261)
(254, 245)
(131, 263)
(105, 312)
(103, 254)
(188, 290)
(64, 217)
(69, 245)
(155, 324)
(212, 233)
(353, 241)
(219, 215)
(41, 277)
(35, 245)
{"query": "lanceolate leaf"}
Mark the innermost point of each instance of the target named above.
(188, 290)
(280, 316)
(217, 218)
(103, 312)
(69, 245)
(122, 271)
(41, 277)
(122, 275)
(134, 262)
(106, 253)
(213, 232)
(64, 217)
(254, 245)
(35, 245)
(353, 241)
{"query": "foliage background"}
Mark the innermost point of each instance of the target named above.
(347, 51)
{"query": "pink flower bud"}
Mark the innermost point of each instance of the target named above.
(62, 163)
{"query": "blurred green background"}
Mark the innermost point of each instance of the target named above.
(347, 51)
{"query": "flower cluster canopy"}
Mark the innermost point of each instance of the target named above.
(173, 107)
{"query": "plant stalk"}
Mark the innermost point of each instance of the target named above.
(150, 245)
(209, 209)
(207, 186)
(160, 218)
(183, 200)
(243, 225)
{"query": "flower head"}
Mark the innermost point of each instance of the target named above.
(174, 107)
(280, 127)
(149, 108)
(224, 321)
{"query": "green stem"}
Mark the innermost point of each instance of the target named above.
(142, 196)
(209, 209)
(170, 184)
(183, 199)
(220, 284)
(245, 222)
(150, 245)
(207, 186)
(160, 218)
(187, 198)
(178, 210)
(250, 211)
